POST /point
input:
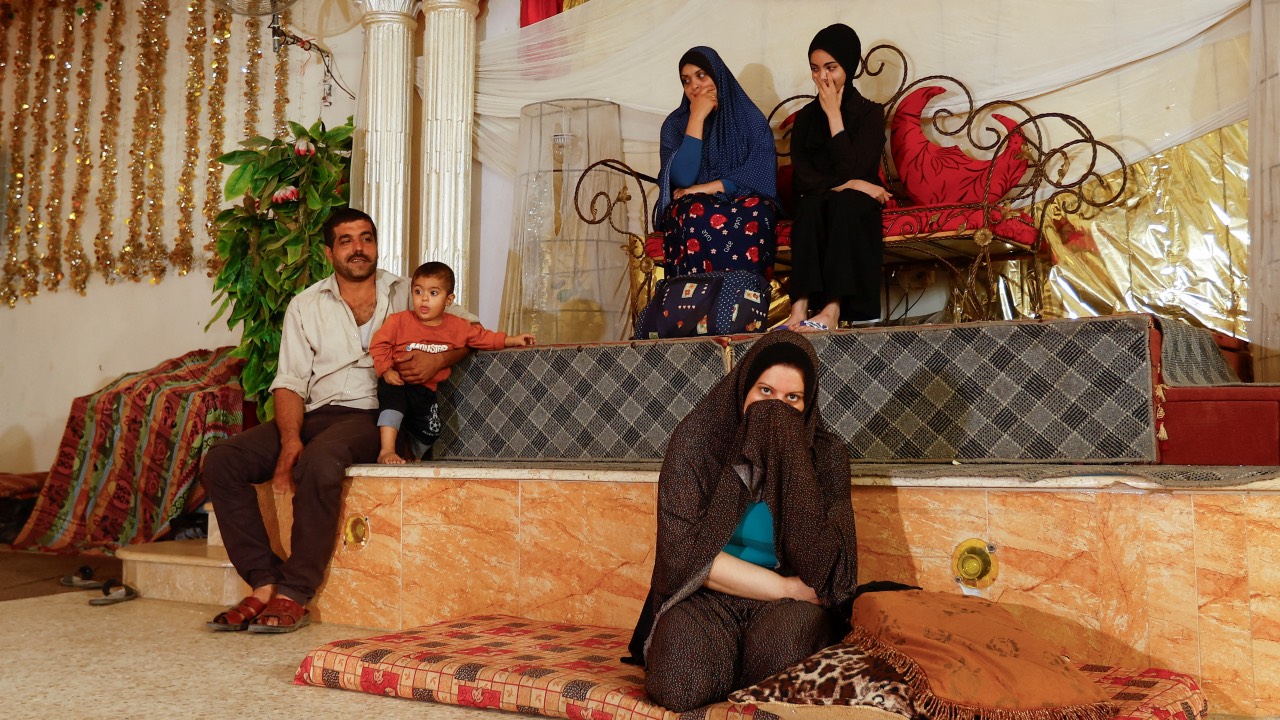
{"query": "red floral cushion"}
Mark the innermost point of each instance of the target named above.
(911, 223)
(783, 233)
(653, 246)
(786, 188)
(933, 174)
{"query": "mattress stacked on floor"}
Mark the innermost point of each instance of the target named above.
(572, 671)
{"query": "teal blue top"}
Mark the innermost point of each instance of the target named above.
(753, 538)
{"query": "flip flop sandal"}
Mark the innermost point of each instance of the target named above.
(283, 610)
(83, 579)
(114, 592)
(813, 325)
(238, 617)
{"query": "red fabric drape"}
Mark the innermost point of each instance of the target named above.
(532, 11)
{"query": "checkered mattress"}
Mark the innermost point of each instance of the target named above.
(1026, 391)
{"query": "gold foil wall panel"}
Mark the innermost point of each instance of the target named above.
(1177, 245)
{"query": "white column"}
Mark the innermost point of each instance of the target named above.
(448, 104)
(383, 119)
(1264, 191)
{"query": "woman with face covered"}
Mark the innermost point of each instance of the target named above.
(756, 561)
(836, 238)
(717, 195)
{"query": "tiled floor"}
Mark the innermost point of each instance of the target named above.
(144, 659)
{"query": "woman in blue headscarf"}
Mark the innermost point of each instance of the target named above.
(717, 191)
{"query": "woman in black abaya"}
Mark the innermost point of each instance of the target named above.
(836, 238)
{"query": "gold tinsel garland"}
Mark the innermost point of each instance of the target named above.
(180, 257)
(38, 43)
(221, 39)
(157, 257)
(7, 18)
(57, 178)
(252, 73)
(17, 172)
(282, 85)
(136, 254)
(77, 263)
(30, 267)
(104, 256)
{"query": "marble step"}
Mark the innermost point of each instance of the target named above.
(182, 570)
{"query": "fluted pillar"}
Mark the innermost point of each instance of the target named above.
(383, 125)
(448, 104)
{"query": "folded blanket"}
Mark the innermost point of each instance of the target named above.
(130, 455)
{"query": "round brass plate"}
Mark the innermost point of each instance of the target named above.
(355, 532)
(974, 564)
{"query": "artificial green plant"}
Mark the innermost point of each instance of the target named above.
(269, 244)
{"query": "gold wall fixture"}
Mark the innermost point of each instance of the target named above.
(355, 532)
(974, 563)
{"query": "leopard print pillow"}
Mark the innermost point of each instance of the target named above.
(840, 675)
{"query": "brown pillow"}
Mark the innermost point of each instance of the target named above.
(966, 657)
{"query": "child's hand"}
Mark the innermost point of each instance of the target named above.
(392, 377)
(521, 340)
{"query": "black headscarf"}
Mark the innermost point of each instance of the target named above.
(842, 43)
(803, 471)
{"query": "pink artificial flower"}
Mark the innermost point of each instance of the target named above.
(304, 148)
(285, 194)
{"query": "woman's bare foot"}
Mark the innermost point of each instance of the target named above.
(793, 321)
(799, 312)
(830, 319)
(390, 457)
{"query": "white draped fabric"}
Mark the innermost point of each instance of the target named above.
(1144, 75)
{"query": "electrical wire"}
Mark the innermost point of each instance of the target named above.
(327, 58)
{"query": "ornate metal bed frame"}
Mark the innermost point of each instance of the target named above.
(1064, 176)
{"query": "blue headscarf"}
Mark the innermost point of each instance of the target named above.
(736, 141)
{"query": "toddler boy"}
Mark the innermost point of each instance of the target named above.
(427, 327)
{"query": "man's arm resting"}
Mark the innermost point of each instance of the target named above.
(289, 410)
(418, 367)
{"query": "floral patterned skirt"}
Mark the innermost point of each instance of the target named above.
(716, 233)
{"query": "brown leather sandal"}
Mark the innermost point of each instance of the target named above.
(289, 616)
(238, 617)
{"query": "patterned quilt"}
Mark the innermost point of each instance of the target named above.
(131, 452)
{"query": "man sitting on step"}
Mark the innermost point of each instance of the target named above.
(326, 410)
